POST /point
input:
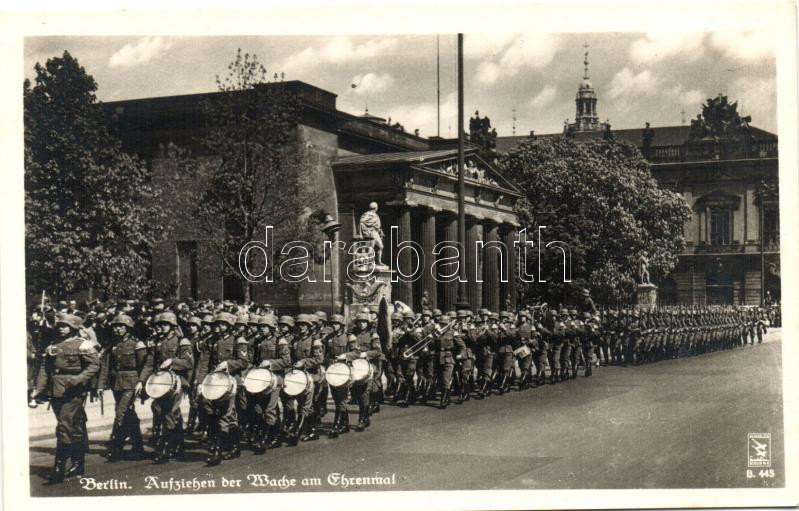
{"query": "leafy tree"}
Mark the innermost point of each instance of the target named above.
(258, 175)
(90, 214)
(600, 198)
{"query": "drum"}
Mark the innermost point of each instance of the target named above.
(218, 385)
(522, 351)
(162, 384)
(362, 370)
(339, 375)
(296, 382)
(259, 379)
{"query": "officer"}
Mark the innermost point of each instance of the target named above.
(171, 353)
(120, 370)
(69, 365)
(224, 355)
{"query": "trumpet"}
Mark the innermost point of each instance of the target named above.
(423, 342)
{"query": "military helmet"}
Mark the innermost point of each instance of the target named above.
(268, 320)
(396, 316)
(317, 343)
(452, 314)
(322, 315)
(286, 320)
(225, 317)
(241, 319)
(362, 316)
(437, 313)
(194, 320)
(337, 318)
(504, 315)
(573, 312)
(462, 314)
(409, 315)
(208, 318)
(524, 314)
(123, 319)
(253, 319)
(585, 292)
(427, 312)
(166, 317)
(484, 312)
(494, 316)
(304, 318)
(564, 311)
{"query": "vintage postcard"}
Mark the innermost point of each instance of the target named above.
(445, 257)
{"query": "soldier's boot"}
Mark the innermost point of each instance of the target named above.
(273, 434)
(233, 447)
(334, 431)
(589, 370)
(259, 438)
(114, 448)
(295, 431)
(443, 402)
(178, 450)
(214, 446)
(61, 455)
(362, 411)
(311, 430)
(156, 434)
(136, 441)
(162, 448)
(78, 457)
(192, 422)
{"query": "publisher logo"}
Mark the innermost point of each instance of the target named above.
(759, 449)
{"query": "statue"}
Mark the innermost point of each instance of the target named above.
(425, 300)
(643, 269)
(647, 136)
(371, 229)
(607, 134)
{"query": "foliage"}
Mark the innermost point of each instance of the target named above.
(90, 214)
(600, 198)
(259, 173)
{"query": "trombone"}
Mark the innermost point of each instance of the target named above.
(424, 341)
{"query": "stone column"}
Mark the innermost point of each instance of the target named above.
(509, 234)
(491, 261)
(404, 290)
(427, 239)
(474, 289)
(450, 230)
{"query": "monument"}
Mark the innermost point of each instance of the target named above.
(370, 280)
(646, 293)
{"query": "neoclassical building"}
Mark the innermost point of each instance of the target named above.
(355, 160)
(732, 253)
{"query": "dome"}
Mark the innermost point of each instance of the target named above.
(586, 84)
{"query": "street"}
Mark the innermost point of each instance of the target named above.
(673, 424)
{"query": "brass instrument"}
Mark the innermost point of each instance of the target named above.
(423, 342)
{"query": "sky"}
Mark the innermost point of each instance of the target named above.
(638, 77)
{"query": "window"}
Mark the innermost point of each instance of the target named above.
(720, 226)
(771, 225)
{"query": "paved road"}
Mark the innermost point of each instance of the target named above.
(674, 424)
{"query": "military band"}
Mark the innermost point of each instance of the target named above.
(259, 381)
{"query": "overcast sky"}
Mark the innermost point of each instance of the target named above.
(637, 77)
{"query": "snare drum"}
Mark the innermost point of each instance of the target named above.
(339, 375)
(259, 379)
(522, 351)
(162, 384)
(362, 370)
(296, 382)
(218, 385)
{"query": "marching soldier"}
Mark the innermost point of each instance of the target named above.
(69, 365)
(121, 369)
(338, 344)
(271, 353)
(406, 392)
(444, 345)
(174, 354)
(366, 347)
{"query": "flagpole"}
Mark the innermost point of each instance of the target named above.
(463, 301)
(438, 89)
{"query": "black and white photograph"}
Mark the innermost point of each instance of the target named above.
(474, 261)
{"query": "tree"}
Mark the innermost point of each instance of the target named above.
(90, 214)
(600, 198)
(258, 175)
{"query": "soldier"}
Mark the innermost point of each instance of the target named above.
(311, 362)
(174, 354)
(365, 346)
(558, 338)
(121, 367)
(406, 392)
(444, 344)
(425, 365)
(391, 365)
(465, 359)
(193, 329)
(525, 338)
(64, 377)
(272, 353)
(338, 344)
(301, 406)
(224, 355)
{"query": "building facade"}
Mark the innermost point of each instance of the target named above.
(354, 160)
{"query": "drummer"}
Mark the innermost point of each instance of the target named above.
(302, 357)
(338, 343)
(224, 355)
(273, 354)
(173, 354)
(366, 346)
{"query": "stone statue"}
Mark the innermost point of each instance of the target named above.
(647, 136)
(425, 300)
(643, 269)
(371, 229)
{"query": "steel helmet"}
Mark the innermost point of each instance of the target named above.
(337, 318)
(166, 317)
(123, 319)
(269, 320)
(225, 317)
(362, 316)
(286, 320)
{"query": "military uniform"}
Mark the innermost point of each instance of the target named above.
(366, 346)
(338, 344)
(69, 365)
(273, 353)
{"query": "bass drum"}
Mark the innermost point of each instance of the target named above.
(296, 382)
(217, 386)
(162, 384)
(339, 375)
(362, 370)
(258, 380)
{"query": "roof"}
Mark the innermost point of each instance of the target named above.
(401, 157)
(664, 136)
